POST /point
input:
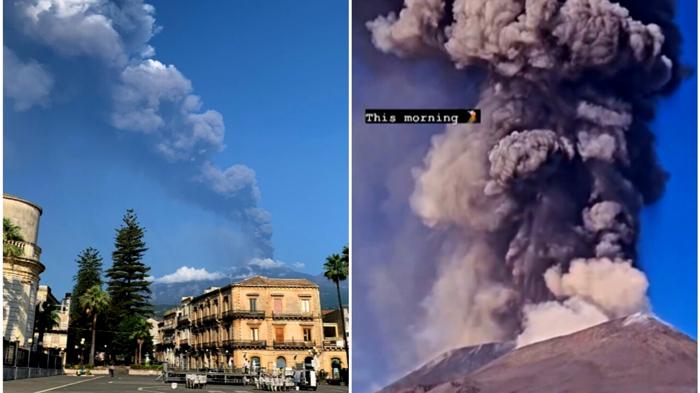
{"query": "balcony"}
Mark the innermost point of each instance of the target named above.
(334, 343)
(207, 319)
(243, 314)
(23, 249)
(299, 316)
(182, 320)
(245, 344)
(293, 344)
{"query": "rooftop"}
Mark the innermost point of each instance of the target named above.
(261, 281)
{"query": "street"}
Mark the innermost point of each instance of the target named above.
(99, 384)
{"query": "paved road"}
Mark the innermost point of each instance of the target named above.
(126, 384)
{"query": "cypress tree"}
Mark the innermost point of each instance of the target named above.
(128, 284)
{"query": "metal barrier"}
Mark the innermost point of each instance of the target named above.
(20, 363)
(214, 377)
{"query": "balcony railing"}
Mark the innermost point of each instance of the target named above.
(208, 319)
(305, 316)
(333, 343)
(24, 249)
(246, 344)
(243, 314)
(293, 344)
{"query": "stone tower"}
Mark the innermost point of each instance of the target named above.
(20, 272)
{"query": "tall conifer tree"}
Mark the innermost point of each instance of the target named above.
(128, 284)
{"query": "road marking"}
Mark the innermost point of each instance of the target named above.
(68, 384)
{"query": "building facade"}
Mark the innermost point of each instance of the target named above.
(260, 322)
(182, 333)
(21, 270)
(57, 338)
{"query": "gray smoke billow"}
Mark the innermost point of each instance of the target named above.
(546, 191)
(149, 99)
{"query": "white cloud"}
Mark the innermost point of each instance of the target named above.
(266, 263)
(27, 83)
(269, 263)
(186, 273)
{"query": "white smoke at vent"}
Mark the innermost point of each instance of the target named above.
(595, 291)
(543, 321)
(613, 285)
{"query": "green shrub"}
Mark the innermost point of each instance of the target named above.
(147, 367)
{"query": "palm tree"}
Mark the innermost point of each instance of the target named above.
(336, 270)
(94, 301)
(141, 332)
(11, 233)
(46, 319)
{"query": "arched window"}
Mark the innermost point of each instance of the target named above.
(255, 363)
(281, 362)
(308, 363)
(335, 367)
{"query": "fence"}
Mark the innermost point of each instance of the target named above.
(20, 363)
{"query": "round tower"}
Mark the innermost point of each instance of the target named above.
(21, 269)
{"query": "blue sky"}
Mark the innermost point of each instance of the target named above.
(276, 75)
(668, 241)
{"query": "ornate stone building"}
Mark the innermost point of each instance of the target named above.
(57, 337)
(263, 322)
(21, 271)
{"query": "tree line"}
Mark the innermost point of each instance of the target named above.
(110, 309)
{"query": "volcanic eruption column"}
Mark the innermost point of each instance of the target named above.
(546, 192)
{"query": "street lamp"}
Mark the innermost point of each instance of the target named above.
(29, 358)
(82, 349)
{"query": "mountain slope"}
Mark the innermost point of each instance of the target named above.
(171, 293)
(637, 354)
(450, 365)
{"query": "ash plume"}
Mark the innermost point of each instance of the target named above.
(175, 137)
(547, 189)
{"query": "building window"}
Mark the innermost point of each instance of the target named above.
(255, 362)
(279, 334)
(305, 305)
(254, 334)
(253, 303)
(225, 303)
(330, 331)
(307, 334)
(277, 301)
(281, 362)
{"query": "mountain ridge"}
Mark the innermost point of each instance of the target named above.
(635, 354)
